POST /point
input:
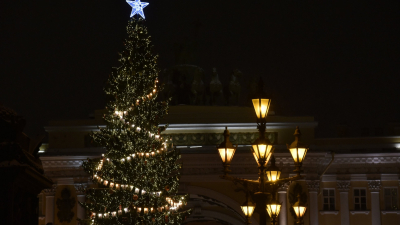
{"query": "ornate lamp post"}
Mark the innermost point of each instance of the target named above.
(262, 150)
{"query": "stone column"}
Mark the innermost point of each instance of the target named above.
(282, 191)
(50, 204)
(343, 187)
(80, 190)
(313, 188)
(374, 187)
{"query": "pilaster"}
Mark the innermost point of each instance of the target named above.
(282, 192)
(374, 187)
(80, 195)
(313, 188)
(343, 186)
(50, 204)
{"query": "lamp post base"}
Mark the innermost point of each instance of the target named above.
(261, 203)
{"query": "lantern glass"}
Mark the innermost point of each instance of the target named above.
(266, 161)
(299, 210)
(261, 106)
(298, 154)
(248, 210)
(273, 209)
(273, 175)
(226, 154)
(261, 151)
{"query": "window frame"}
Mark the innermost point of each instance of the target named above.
(359, 197)
(329, 197)
(397, 199)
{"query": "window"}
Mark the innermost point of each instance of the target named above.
(329, 199)
(391, 199)
(360, 199)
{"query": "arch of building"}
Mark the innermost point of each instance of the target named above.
(214, 217)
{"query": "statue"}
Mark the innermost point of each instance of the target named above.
(234, 87)
(198, 88)
(215, 87)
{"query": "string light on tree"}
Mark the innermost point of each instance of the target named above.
(137, 179)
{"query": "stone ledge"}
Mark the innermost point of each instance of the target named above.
(329, 212)
(365, 212)
(391, 212)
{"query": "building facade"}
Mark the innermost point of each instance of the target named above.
(358, 184)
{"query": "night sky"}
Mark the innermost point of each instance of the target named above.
(337, 61)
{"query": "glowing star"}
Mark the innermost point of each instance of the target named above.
(137, 7)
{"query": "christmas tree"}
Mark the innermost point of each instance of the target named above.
(138, 177)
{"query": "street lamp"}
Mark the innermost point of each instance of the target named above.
(248, 209)
(273, 209)
(298, 150)
(226, 151)
(262, 150)
(299, 210)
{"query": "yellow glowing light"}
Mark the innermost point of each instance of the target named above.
(299, 210)
(298, 154)
(261, 151)
(261, 106)
(248, 209)
(273, 175)
(273, 209)
(226, 154)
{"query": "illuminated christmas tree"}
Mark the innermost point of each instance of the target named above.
(138, 176)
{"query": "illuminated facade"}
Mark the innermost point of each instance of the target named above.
(360, 186)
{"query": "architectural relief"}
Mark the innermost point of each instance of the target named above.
(343, 185)
(216, 138)
(312, 185)
(374, 185)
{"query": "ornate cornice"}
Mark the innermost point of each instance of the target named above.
(374, 185)
(343, 185)
(361, 159)
(312, 185)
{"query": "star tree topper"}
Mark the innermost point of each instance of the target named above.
(137, 7)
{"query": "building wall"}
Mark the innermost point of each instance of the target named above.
(213, 197)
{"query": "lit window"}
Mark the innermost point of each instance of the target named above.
(329, 199)
(391, 199)
(360, 199)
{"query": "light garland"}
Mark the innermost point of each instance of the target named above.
(146, 210)
(133, 155)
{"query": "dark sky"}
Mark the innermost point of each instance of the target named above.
(337, 61)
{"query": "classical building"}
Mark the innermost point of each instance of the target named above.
(358, 184)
